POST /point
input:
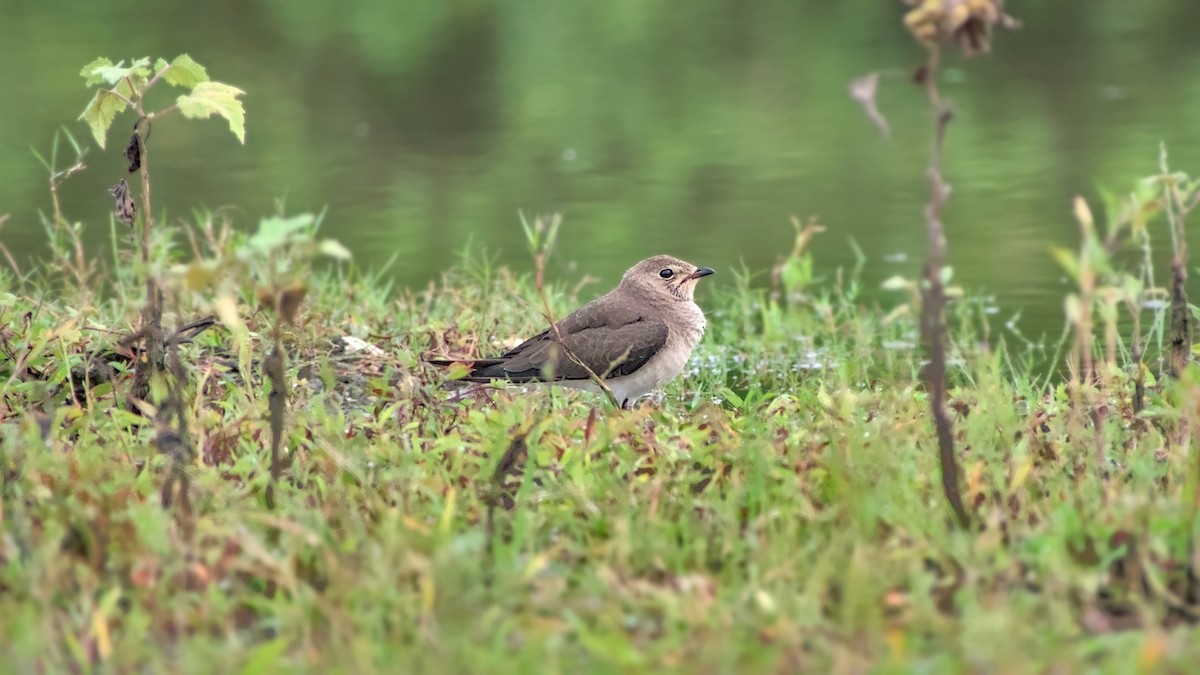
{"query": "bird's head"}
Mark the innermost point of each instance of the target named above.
(665, 276)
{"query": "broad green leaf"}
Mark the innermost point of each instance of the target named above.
(91, 72)
(99, 114)
(182, 72)
(266, 657)
(334, 249)
(103, 70)
(273, 232)
(1133, 286)
(215, 97)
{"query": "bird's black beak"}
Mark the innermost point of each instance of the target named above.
(702, 272)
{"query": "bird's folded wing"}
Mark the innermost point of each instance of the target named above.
(609, 351)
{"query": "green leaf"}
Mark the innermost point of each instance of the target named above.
(334, 249)
(182, 72)
(91, 72)
(214, 97)
(104, 71)
(273, 232)
(732, 397)
(266, 657)
(1066, 257)
(99, 114)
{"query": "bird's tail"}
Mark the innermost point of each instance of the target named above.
(482, 370)
(468, 370)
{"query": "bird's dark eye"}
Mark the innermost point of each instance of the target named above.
(667, 273)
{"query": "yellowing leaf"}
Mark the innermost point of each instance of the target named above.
(896, 313)
(1083, 213)
(428, 593)
(215, 97)
(100, 631)
(1067, 259)
(446, 523)
(100, 112)
(535, 566)
(198, 275)
(226, 308)
(1021, 474)
(334, 249)
(100, 622)
(1152, 653)
(1073, 308)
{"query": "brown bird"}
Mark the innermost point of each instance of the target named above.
(637, 337)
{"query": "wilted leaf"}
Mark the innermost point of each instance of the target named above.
(966, 22)
(182, 72)
(266, 298)
(863, 90)
(133, 152)
(215, 97)
(290, 299)
(125, 208)
(334, 249)
(100, 112)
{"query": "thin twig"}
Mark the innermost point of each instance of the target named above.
(169, 109)
(4, 249)
(561, 343)
(540, 256)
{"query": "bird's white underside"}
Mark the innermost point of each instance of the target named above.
(661, 368)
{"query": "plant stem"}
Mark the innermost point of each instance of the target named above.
(539, 263)
(933, 324)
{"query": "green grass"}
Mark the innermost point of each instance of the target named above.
(777, 509)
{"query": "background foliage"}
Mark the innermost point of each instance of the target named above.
(695, 128)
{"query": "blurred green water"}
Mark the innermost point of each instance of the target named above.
(691, 127)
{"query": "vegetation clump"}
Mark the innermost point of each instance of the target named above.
(277, 480)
